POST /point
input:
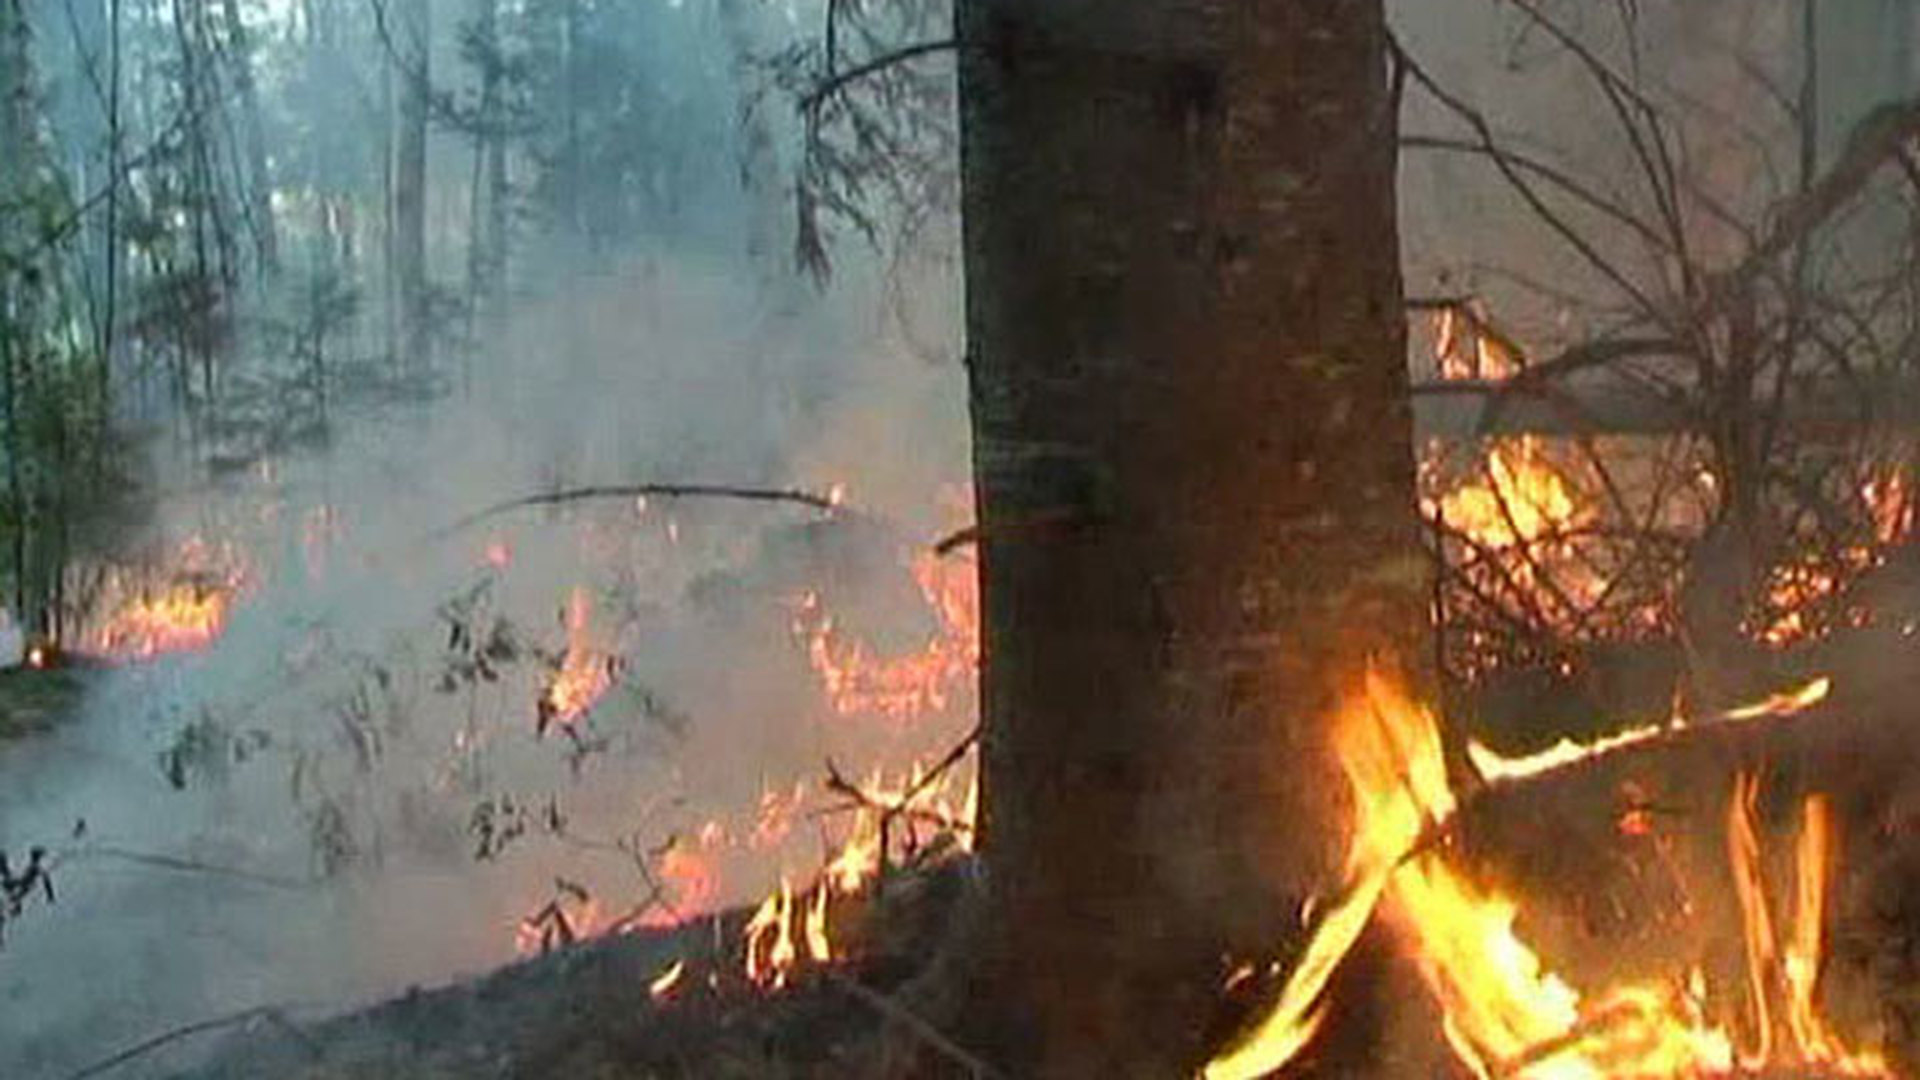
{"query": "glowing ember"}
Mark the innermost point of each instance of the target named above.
(1890, 504)
(1505, 1014)
(498, 554)
(585, 674)
(689, 885)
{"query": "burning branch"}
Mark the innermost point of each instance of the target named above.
(1406, 809)
(891, 809)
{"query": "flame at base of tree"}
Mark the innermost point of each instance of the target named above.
(1506, 1014)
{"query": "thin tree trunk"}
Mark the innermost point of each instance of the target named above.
(109, 324)
(410, 184)
(259, 193)
(17, 300)
(486, 221)
(1193, 457)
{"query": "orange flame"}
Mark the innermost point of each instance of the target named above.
(1505, 1013)
(186, 614)
(1523, 498)
(907, 687)
(584, 676)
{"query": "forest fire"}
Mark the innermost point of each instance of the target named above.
(584, 674)
(185, 612)
(895, 815)
(1523, 498)
(907, 686)
(1506, 1013)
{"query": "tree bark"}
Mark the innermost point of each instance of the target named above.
(1193, 457)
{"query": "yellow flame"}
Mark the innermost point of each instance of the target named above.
(770, 949)
(1505, 1014)
(664, 984)
(1495, 767)
(583, 677)
(819, 944)
(1522, 498)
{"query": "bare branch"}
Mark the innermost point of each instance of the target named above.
(796, 497)
(835, 83)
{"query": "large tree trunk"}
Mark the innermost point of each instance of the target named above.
(1194, 464)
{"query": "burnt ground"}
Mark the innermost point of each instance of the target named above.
(586, 1012)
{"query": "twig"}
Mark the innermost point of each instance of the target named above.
(1483, 132)
(794, 496)
(900, 1014)
(190, 866)
(274, 1013)
(1875, 140)
(832, 85)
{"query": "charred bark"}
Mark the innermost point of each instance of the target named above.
(1185, 341)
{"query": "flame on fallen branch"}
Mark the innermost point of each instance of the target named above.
(664, 984)
(1568, 752)
(1505, 1013)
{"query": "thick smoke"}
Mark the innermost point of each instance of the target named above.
(319, 776)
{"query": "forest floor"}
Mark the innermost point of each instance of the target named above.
(33, 701)
(588, 1012)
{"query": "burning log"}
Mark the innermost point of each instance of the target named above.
(1506, 1015)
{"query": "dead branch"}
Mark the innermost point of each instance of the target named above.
(890, 810)
(1557, 178)
(833, 84)
(901, 1015)
(794, 496)
(189, 866)
(275, 1014)
(1038, 526)
(1876, 140)
(1483, 133)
